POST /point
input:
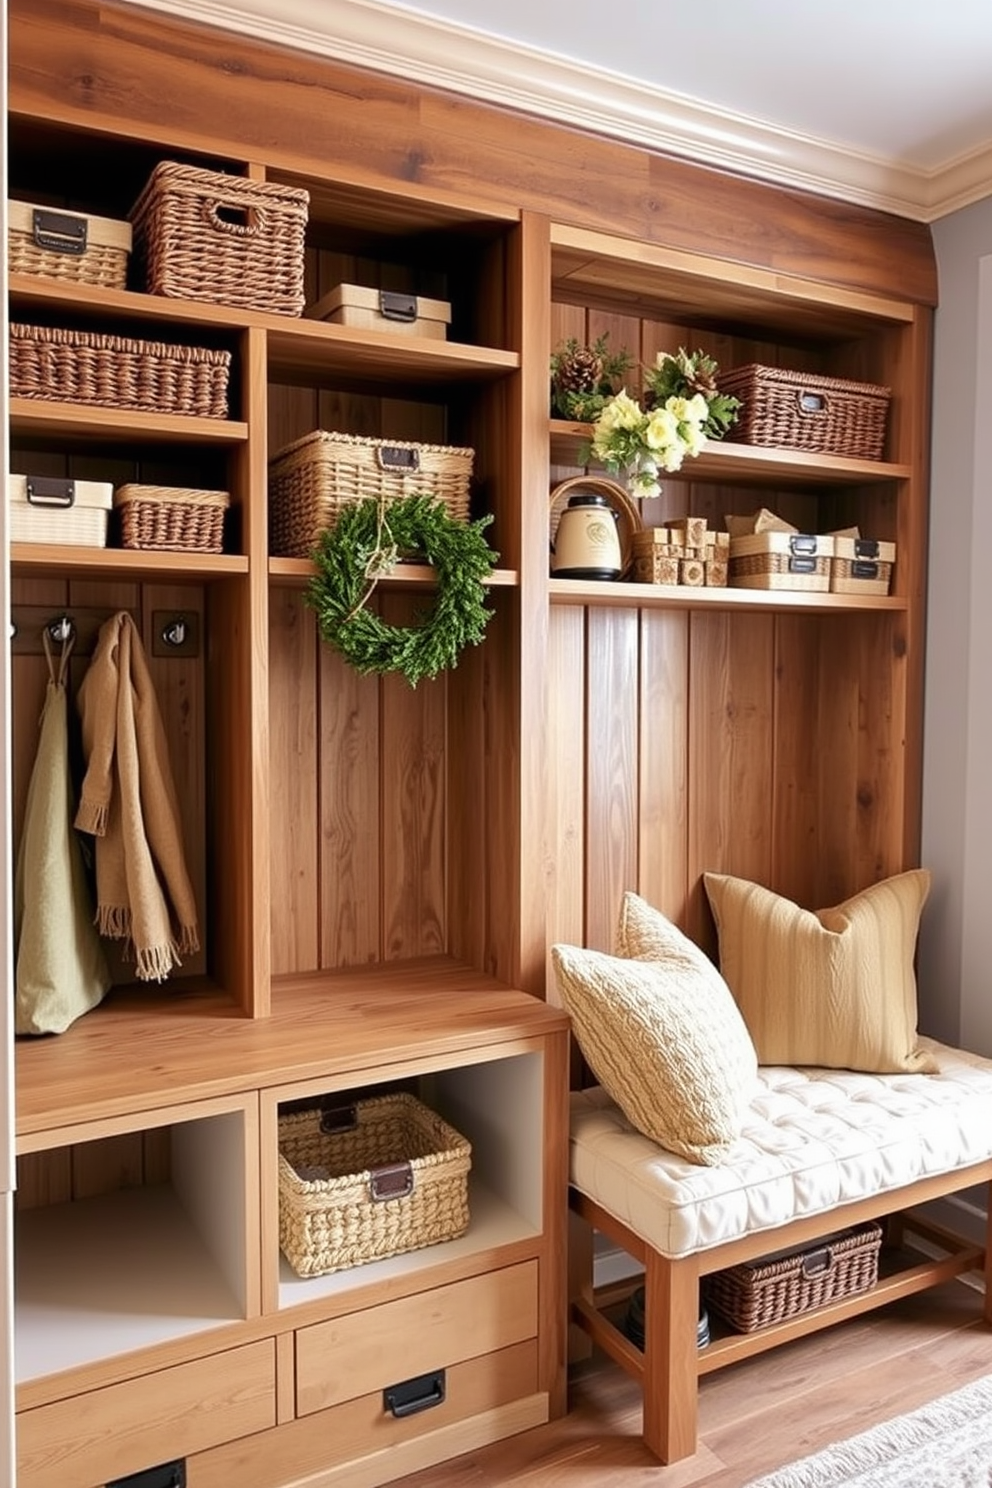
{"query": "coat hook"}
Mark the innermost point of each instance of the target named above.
(61, 630)
(174, 634)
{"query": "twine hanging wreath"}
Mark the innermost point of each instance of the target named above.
(367, 539)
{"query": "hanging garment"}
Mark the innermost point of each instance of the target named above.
(128, 802)
(60, 969)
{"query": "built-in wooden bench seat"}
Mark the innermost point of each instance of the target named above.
(820, 1150)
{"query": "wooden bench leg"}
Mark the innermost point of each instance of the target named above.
(988, 1255)
(671, 1376)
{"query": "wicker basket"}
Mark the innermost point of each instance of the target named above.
(752, 1295)
(781, 560)
(171, 518)
(367, 1181)
(207, 235)
(861, 566)
(114, 372)
(797, 410)
(68, 246)
(312, 479)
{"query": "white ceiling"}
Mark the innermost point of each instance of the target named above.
(885, 102)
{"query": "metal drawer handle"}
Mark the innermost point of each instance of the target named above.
(413, 1395)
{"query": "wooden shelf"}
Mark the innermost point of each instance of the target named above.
(403, 575)
(38, 417)
(194, 1045)
(622, 595)
(73, 560)
(746, 464)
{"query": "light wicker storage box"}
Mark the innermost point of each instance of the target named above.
(782, 1285)
(861, 565)
(314, 478)
(71, 246)
(45, 509)
(367, 1181)
(171, 518)
(802, 411)
(384, 310)
(116, 372)
(208, 235)
(781, 560)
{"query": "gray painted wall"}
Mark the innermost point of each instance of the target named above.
(955, 954)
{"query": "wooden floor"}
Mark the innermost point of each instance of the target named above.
(754, 1416)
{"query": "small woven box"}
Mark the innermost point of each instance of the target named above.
(171, 518)
(861, 565)
(207, 235)
(797, 410)
(115, 372)
(71, 247)
(369, 1180)
(781, 560)
(314, 478)
(780, 1286)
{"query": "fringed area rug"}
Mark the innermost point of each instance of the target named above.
(946, 1444)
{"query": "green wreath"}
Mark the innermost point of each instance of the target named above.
(366, 540)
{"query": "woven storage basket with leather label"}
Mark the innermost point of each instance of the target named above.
(365, 1181)
(779, 1286)
(208, 235)
(861, 565)
(171, 518)
(115, 372)
(797, 410)
(69, 246)
(312, 479)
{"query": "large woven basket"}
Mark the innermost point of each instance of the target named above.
(115, 372)
(752, 1295)
(367, 1181)
(799, 410)
(171, 518)
(314, 478)
(207, 235)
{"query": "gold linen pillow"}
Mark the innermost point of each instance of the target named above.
(832, 987)
(665, 1040)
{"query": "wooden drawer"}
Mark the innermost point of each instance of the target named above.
(366, 1351)
(359, 1444)
(123, 1428)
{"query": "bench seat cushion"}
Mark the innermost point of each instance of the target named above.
(812, 1139)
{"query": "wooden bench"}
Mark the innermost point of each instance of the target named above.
(821, 1150)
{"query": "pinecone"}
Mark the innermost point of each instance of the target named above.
(699, 380)
(578, 371)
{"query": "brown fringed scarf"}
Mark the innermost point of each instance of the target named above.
(129, 804)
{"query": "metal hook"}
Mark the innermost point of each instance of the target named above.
(174, 634)
(61, 630)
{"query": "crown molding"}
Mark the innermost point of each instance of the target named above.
(370, 34)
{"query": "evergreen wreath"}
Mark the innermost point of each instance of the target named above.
(367, 539)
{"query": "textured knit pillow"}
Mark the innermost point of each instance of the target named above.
(835, 987)
(666, 1042)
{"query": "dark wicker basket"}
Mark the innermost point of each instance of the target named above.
(115, 372)
(761, 1292)
(207, 235)
(171, 518)
(802, 411)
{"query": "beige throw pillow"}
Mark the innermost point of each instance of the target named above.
(835, 987)
(665, 1040)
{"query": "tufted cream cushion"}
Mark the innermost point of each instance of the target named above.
(812, 1139)
(834, 987)
(665, 1039)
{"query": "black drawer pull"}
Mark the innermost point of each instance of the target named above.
(413, 1395)
(168, 1475)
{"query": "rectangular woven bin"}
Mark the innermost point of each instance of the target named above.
(171, 518)
(71, 247)
(363, 1182)
(778, 1287)
(803, 411)
(314, 478)
(208, 235)
(116, 372)
(861, 565)
(781, 560)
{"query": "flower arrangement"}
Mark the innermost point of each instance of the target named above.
(584, 378)
(683, 407)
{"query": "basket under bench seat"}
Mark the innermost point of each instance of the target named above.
(821, 1150)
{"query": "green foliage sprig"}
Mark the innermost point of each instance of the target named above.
(683, 374)
(365, 542)
(583, 378)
